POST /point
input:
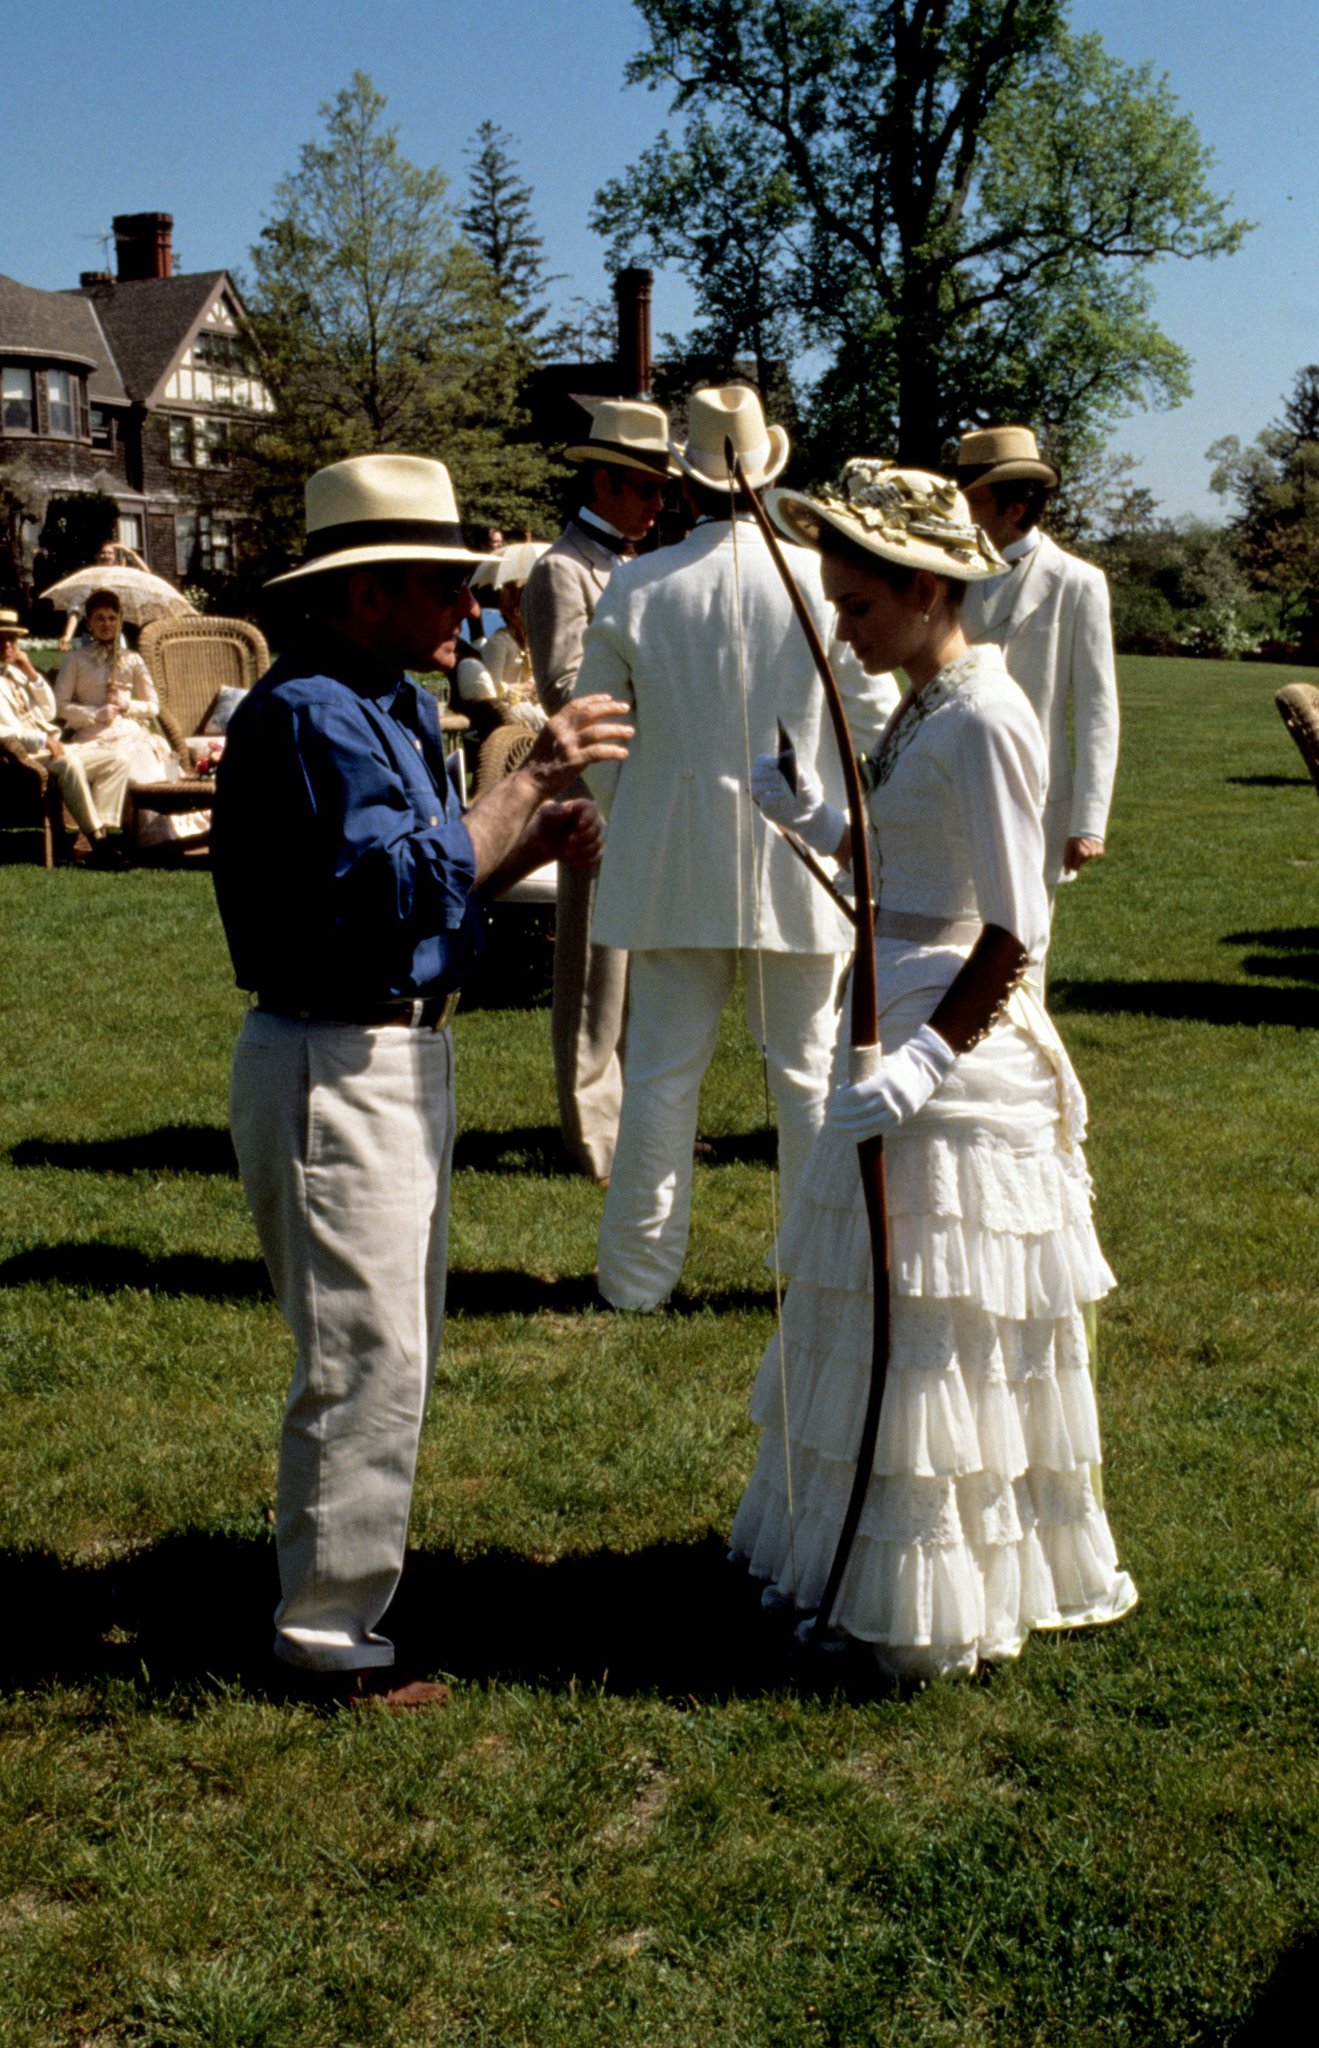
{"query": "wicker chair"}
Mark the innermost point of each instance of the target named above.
(193, 658)
(30, 795)
(1298, 706)
(502, 750)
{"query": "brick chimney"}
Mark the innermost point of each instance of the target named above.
(632, 289)
(96, 280)
(143, 245)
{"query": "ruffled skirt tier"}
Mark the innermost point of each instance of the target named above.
(981, 1520)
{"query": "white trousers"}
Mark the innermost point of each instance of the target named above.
(344, 1138)
(674, 1005)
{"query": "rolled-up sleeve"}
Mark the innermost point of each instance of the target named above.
(397, 854)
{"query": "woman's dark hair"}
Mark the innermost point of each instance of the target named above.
(895, 574)
(103, 600)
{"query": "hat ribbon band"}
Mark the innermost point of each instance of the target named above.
(366, 533)
(637, 458)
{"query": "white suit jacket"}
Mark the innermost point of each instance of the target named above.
(1050, 615)
(688, 860)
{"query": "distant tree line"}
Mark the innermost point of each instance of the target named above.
(1249, 587)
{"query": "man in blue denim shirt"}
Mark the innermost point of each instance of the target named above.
(351, 885)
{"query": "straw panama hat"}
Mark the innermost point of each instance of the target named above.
(379, 508)
(998, 455)
(9, 625)
(626, 433)
(724, 413)
(905, 516)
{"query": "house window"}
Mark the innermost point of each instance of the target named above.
(102, 427)
(59, 403)
(216, 539)
(198, 443)
(213, 450)
(185, 542)
(19, 409)
(203, 544)
(130, 531)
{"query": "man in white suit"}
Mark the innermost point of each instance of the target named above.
(700, 638)
(625, 467)
(1050, 615)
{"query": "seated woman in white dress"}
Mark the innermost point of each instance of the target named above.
(980, 1519)
(507, 664)
(105, 697)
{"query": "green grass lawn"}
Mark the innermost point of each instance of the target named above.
(641, 1819)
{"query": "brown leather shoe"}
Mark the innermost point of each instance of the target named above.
(380, 1685)
(403, 1695)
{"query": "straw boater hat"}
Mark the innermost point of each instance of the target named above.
(903, 515)
(725, 413)
(1000, 455)
(379, 508)
(626, 433)
(10, 629)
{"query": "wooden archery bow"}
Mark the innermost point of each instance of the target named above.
(865, 1034)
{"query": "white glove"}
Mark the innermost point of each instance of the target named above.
(894, 1089)
(807, 814)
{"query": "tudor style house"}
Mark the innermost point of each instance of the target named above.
(133, 385)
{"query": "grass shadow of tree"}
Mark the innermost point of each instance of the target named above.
(1204, 1002)
(174, 1148)
(110, 1268)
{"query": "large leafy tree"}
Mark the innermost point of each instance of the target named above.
(377, 326)
(1275, 483)
(950, 206)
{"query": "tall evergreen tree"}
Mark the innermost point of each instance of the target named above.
(499, 224)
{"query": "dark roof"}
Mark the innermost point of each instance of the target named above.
(149, 320)
(59, 324)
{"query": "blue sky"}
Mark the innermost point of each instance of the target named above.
(198, 111)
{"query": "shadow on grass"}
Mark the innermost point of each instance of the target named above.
(528, 1148)
(506, 1290)
(1274, 2017)
(503, 1291)
(175, 1148)
(538, 1148)
(1269, 782)
(1296, 938)
(1201, 1002)
(109, 1268)
(193, 1610)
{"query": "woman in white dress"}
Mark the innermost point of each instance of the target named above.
(981, 1520)
(105, 697)
(502, 673)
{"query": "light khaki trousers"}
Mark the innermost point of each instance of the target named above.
(676, 998)
(587, 1023)
(344, 1138)
(94, 779)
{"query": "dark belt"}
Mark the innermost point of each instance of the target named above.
(418, 1013)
